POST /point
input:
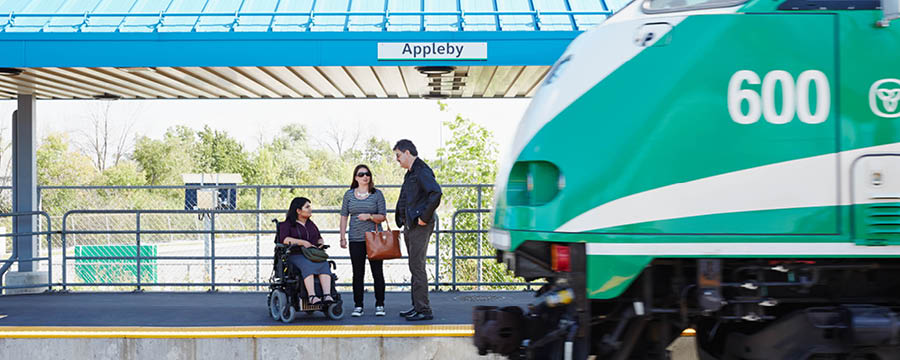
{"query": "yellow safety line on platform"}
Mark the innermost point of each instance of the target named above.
(237, 331)
(348, 331)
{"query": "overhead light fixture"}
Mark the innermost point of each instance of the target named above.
(435, 95)
(435, 70)
(137, 69)
(107, 96)
(10, 71)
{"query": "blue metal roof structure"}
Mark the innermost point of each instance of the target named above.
(148, 49)
(299, 15)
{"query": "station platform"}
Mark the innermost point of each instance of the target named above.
(148, 325)
(151, 325)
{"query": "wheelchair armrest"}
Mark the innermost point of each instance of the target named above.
(281, 246)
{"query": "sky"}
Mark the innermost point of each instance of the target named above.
(249, 121)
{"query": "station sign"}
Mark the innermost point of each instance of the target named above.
(432, 51)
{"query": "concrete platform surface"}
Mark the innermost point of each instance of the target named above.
(225, 309)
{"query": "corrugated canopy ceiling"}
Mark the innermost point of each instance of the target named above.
(217, 49)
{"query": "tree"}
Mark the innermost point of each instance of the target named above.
(377, 150)
(216, 152)
(108, 140)
(125, 173)
(163, 161)
(340, 140)
(468, 157)
(58, 165)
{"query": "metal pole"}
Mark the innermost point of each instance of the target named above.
(453, 251)
(212, 260)
(347, 19)
(497, 16)
(437, 252)
(64, 252)
(137, 238)
(49, 254)
(258, 229)
(571, 17)
(479, 237)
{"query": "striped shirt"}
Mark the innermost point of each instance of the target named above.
(352, 207)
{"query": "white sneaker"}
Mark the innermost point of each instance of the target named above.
(357, 312)
(379, 311)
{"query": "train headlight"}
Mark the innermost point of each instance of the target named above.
(500, 239)
(534, 183)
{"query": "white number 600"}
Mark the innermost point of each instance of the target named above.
(794, 97)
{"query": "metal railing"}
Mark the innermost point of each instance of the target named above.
(213, 258)
(15, 258)
(82, 226)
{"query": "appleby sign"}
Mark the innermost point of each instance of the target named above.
(432, 51)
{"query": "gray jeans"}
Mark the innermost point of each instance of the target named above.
(416, 245)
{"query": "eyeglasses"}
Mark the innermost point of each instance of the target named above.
(364, 174)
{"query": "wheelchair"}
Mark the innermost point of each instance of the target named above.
(287, 294)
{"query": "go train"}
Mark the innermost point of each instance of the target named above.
(731, 166)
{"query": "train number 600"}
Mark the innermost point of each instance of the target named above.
(794, 97)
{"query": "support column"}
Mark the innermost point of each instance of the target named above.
(24, 179)
(24, 198)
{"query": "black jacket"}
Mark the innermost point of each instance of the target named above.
(420, 195)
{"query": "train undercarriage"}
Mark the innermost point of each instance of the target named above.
(740, 309)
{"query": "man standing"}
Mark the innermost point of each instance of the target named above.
(420, 195)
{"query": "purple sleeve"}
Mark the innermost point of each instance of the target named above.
(314, 233)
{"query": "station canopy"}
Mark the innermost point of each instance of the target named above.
(218, 49)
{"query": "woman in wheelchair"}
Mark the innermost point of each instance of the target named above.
(298, 229)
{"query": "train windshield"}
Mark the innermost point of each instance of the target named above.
(658, 6)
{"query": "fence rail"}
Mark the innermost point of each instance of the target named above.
(135, 249)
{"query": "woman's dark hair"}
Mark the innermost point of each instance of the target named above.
(404, 145)
(355, 184)
(296, 204)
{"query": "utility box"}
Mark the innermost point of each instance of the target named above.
(211, 191)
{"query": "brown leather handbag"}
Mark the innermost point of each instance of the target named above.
(383, 245)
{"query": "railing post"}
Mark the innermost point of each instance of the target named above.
(453, 251)
(64, 251)
(49, 253)
(212, 251)
(437, 252)
(137, 237)
(258, 229)
(478, 236)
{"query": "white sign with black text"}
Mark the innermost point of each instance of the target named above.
(432, 51)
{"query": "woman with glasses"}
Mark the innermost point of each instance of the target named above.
(364, 208)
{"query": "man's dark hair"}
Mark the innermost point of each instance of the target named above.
(404, 145)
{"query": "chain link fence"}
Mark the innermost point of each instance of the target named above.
(188, 244)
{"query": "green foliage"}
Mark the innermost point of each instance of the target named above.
(163, 161)
(216, 152)
(468, 157)
(58, 165)
(125, 173)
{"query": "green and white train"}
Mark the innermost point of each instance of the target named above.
(731, 166)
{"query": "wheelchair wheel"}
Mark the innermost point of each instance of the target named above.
(277, 303)
(335, 311)
(288, 315)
